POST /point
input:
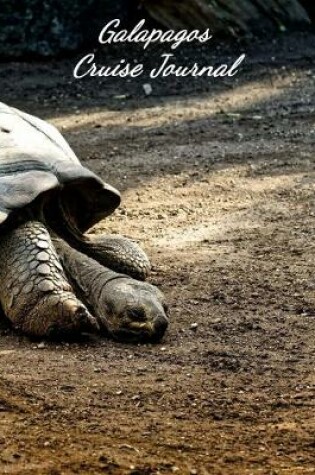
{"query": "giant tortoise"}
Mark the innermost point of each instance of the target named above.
(55, 280)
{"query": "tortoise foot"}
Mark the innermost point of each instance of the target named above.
(34, 292)
(58, 316)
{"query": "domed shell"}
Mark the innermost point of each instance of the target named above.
(35, 159)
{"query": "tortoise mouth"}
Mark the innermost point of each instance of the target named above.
(141, 332)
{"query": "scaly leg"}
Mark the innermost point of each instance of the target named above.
(34, 292)
(119, 254)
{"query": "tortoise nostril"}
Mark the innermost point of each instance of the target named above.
(137, 314)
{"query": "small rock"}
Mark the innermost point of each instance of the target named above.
(194, 326)
(147, 89)
(41, 345)
(121, 97)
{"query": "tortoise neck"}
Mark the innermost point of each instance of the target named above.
(58, 218)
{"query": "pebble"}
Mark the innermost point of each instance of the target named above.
(194, 326)
(121, 97)
(147, 89)
(41, 345)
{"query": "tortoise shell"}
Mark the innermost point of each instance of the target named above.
(35, 160)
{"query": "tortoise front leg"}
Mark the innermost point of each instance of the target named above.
(118, 253)
(34, 292)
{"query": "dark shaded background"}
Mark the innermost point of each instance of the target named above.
(50, 28)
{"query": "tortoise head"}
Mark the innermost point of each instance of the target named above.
(134, 311)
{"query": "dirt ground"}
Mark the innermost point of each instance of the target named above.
(218, 186)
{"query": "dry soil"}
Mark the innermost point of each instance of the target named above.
(218, 181)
